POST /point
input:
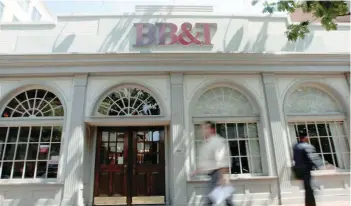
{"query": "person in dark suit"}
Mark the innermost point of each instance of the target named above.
(306, 160)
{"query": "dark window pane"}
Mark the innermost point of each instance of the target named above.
(328, 158)
(322, 130)
(46, 134)
(220, 128)
(10, 151)
(301, 129)
(21, 151)
(32, 151)
(24, 134)
(18, 170)
(325, 144)
(3, 133)
(234, 150)
(55, 150)
(235, 165)
(243, 147)
(35, 134)
(41, 169)
(231, 130)
(6, 170)
(2, 147)
(245, 165)
(13, 134)
(312, 130)
(315, 143)
(30, 166)
(52, 171)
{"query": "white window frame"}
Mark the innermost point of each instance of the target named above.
(36, 122)
(299, 118)
(229, 119)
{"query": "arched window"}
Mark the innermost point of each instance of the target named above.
(313, 112)
(30, 148)
(236, 120)
(129, 102)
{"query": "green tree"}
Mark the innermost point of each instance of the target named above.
(325, 11)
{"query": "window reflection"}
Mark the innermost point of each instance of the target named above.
(148, 144)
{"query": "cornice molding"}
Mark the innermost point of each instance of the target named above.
(174, 59)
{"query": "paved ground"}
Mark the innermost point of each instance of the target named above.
(339, 203)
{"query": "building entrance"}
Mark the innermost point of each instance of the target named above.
(130, 166)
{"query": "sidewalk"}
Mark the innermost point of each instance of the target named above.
(338, 203)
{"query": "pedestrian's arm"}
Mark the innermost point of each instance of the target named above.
(315, 159)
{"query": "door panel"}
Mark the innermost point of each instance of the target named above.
(110, 174)
(130, 166)
(149, 165)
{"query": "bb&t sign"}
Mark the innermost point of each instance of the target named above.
(169, 34)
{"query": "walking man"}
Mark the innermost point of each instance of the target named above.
(214, 159)
(306, 160)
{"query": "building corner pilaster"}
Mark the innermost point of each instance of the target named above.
(177, 142)
(280, 146)
(74, 146)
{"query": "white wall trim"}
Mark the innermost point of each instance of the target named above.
(195, 59)
(224, 119)
(41, 121)
(315, 118)
(128, 121)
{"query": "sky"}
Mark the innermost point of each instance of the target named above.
(126, 6)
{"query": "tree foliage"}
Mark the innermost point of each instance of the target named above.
(325, 11)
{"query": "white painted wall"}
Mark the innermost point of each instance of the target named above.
(22, 11)
(110, 34)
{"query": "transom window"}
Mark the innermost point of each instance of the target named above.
(227, 107)
(129, 102)
(31, 151)
(34, 103)
(308, 110)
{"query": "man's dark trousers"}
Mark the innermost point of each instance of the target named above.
(215, 175)
(305, 176)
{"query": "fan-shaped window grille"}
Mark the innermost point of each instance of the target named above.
(34, 103)
(129, 102)
(310, 100)
(223, 101)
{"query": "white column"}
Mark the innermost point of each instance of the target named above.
(177, 146)
(280, 145)
(74, 146)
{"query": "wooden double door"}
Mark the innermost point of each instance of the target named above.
(130, 166)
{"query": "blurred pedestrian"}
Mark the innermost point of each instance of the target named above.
(305, 160)
(214, 159)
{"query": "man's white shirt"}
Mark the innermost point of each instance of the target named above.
(214, 154)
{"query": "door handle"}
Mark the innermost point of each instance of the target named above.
(125, 169)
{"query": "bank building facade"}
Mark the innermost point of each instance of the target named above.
(106, 110)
